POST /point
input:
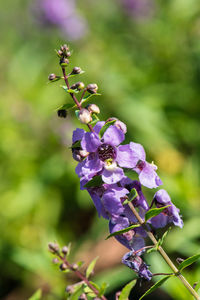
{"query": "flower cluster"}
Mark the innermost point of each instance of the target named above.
(103, 163)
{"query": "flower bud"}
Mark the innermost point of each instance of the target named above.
(92, 88)
(74, 267)
(119, 124)
(65, 250)
(79, 154)
(63, 267)
(82, 297)
(69, 289)
(59, 53)
(64, 48)
(64, 62)
(52, 77)
(93, 108)
(84, 116)
(62, 113)
(55, 260)
(53, 248)
(68, 54)
(76, 70)
(78, 85)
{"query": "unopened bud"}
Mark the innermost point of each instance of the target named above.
(55, 260)
(62, 113)
(78, 86)
(52, 77)
(69, 289)
(59, 53)
(74, 267)
(92, 88)
(68, 54)
(64, 62)
(93, 108)
(84, 116)
(53, 248)
(79, 155)
(82, 297)
(63, 267)
(119, 124)
(64, 48)
(65, 250)
(76, 70)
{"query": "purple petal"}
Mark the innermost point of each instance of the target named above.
(125, 157)
(138, 151)
(97, 202)
(148, 176)
(112, 202)
(111, 177)
(160, 221)
(90, 142)
(98, 126)
(113, 136)
(77, 135)
(92, 166)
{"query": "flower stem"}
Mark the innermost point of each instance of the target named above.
(82, 277)
(164, 254)
(74, 97)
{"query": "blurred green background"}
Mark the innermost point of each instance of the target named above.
(145, 58)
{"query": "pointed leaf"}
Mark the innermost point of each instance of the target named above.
(77, 293)
(77, 144)
(132, 195)
(89, 291)
(105, 127)
(95, 181)
(91, 267)
(70, 91)
(187, 262)
(72, 75)
(102, 289)
(86, 98)
(123, 230)
(154, 212)
(155, 286)
(164, 236)
(36, 296)
(126, 290)
(130, 174)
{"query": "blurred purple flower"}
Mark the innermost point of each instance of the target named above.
(136, 263)
(138, 9)
(169, 215)
(63, 14)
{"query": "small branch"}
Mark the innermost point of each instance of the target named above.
(81, 276)
(74, 97)
(164, 254)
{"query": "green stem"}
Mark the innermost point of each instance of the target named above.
(164, 254)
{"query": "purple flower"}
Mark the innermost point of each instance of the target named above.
(63, 14)
(147, 175)
(136, 263)
(169, 215)
(106, 156)
(133, 239)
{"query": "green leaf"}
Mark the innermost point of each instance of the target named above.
(130, 174)
(164, 236)
(187, 262)
(77, 144)
(126, 290)
(91, 266)
(67, 106)
(86, 98)
(105, 127)
(102, 289)
(154, 212)
(77, 292)
(155, 286)
(36, 296)
(77, 113)
(95, 181)
(132, 195)
(89, 291)
(123, 230)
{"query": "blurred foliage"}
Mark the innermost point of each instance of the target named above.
(148, 71)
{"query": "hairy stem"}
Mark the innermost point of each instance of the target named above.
(164, 254)
(74, 97)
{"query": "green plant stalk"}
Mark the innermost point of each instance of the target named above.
(164, 254)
